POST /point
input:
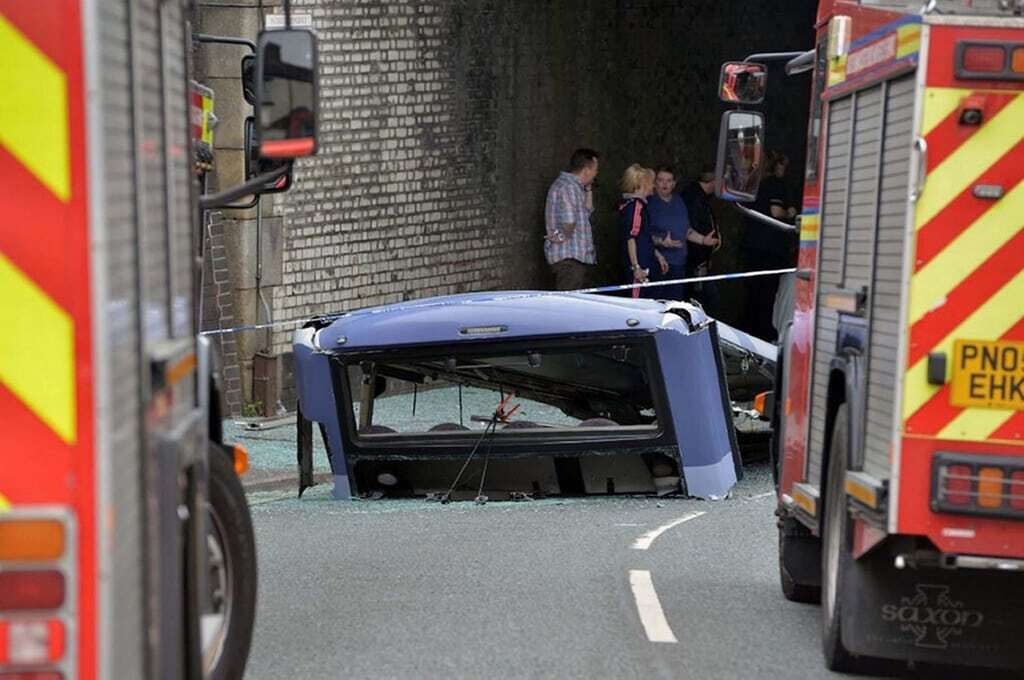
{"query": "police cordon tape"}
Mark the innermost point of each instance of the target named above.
(600, 289)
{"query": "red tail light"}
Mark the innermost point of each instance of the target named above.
(978, 484)
(957, 487)
(984, 59)
(28, 642)
(1017, 490)
(989, 60)
(31, 590)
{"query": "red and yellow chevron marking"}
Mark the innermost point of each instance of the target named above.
(37, 348)
(47, 449)
(968, 279)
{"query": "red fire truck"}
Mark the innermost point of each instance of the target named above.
(126, 547)
(899, 417)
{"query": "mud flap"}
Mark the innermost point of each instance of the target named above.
(933, 615)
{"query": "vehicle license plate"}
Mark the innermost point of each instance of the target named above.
(988, 374)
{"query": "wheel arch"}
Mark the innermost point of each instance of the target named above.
(845, 386)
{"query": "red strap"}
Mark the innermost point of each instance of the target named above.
(636, 219)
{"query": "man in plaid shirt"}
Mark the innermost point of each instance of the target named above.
(569, 240)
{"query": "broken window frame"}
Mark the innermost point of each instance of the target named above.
(659, 438)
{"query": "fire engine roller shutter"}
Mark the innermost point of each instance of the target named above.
(830, 267)
(886, 287)
(116, 316)
(863, 221)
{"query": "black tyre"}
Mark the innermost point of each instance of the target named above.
(227, 630)
(799, 563)
(836, 556)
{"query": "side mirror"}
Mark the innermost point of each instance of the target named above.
(286, 94)
(742, 82)
(740, 156)
(254, 165)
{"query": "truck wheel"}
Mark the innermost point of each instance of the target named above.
(799, 562)
(226, 631)
(836, 557)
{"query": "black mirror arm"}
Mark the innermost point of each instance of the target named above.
(773, 56)
(252, 186)
(764, 219)
(800, 64)
(224, 40)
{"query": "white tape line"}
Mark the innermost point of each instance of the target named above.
(652, 617)
(645, 541)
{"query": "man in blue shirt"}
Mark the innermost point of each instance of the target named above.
(670, 223)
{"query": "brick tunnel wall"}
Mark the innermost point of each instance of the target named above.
(443, 122)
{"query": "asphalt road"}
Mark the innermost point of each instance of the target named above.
(540, 589)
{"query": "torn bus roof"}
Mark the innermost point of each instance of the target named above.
(629, 392)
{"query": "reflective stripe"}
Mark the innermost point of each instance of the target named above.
(939, 103)
(37, 351)
(978, 154)
(962, 256)
(990, 320)
(34, 114)
(976, 423)
(968, 282)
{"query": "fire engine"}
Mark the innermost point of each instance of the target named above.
(126, 546)
(899, 409)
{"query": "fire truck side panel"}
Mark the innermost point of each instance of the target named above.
(46, 368)
(886, 281)
(122, 631)
(833, 209)
(141, 243)
(863, 217)
(831, 193)
(967, 281)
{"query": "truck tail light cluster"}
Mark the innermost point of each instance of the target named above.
(31, 642)
(978, 485)
(37, 563)
(989, 60)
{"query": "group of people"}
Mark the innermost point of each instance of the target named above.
(667, 235)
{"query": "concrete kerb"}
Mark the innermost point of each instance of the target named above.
(272, 480)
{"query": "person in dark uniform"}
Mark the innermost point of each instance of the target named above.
(697, 197)
(767, 248)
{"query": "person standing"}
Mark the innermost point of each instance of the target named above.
(697, 197)
(640, 256)
(765, 247)
(569, 239)
(672, 231)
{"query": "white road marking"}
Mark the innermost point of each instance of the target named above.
(628, 524)
(652, 617)
(645, 541)
(761, 495)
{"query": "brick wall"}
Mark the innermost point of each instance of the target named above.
(443, 122)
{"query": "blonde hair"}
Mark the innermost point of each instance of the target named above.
(635, 177)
